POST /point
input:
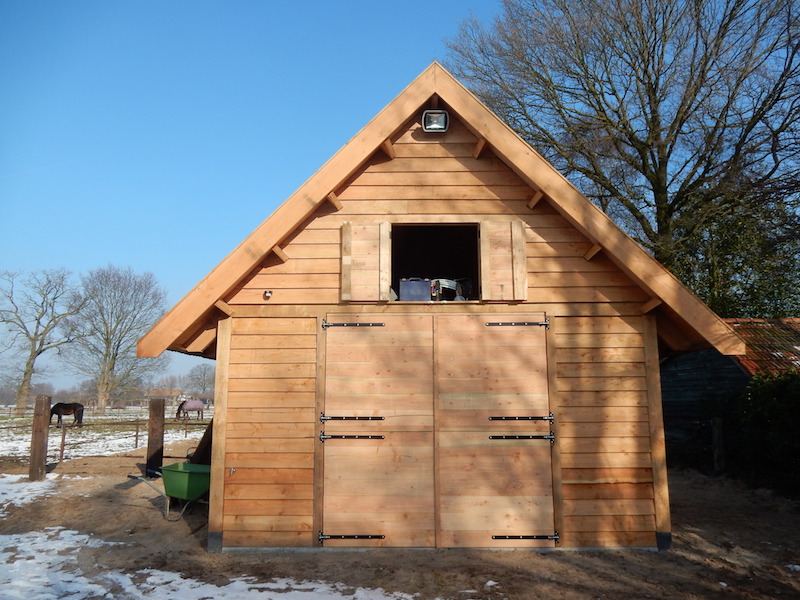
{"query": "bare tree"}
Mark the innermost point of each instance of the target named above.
(669, 114)
(121, 306)
(36, 310)
(201, 379)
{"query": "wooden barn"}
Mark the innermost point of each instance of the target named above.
(437, 341)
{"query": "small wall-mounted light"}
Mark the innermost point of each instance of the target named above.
(267, 294)
(435, 121)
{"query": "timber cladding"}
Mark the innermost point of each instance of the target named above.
(449, 457)
(527, 414)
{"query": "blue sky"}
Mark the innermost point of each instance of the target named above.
(157, 135)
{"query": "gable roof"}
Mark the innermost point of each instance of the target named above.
(772, 344)
(195, 311)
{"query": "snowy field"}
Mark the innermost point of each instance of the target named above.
(42, 565)
(101, 435)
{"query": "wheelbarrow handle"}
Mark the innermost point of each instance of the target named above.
(148, 483)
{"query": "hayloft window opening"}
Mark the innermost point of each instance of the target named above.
(446, 256)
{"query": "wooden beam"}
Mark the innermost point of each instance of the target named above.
(278, 251)
(537, 195)
(223, 306)
(216, 496)
(650, 305)
(388, 148)
(479, 147)
(592, 252)
(657, 436)
(201, 343)
(335, 202)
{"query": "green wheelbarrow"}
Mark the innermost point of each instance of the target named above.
(185, 481)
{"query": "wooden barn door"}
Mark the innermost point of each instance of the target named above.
(378, 431)
(493, 448)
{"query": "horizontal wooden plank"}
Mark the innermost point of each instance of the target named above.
(268, 370)
(268, 539)
(584, 294)
(269, 430)
(620, 444)
(269, 475)
(286, 460)
(249, 326)
(603, 398)
(613, 523)
(274, 342)
(602, 414)
(269, 281)
(529, 399)
(304, 296)
(600, 325)
(592, 460)
(589, 340)
(235, 446)
(252, 491)
(435, 194)
(601, 369)
(271, 399)
(272, 415)
(616, 491)
(427, 178)
(267, 523)
(303, 508)
(607, 475)
(608, 539)
(273, 355)
(599, 355)
(604, 429)
(303, 265)
(304, 384)
(576, 384)
(608, 506)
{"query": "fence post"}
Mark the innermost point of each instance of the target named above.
(41, 424)
(155, 436)
(63, 442)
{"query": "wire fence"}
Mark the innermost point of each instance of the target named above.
(98, 436)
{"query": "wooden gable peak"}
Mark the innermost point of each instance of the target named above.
(186, 326)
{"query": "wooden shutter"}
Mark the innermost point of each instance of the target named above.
(366, 262)
(504, 274)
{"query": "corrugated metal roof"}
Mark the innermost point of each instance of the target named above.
(772, 344)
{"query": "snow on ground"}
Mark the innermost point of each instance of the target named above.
(98, 437)
(42, 565)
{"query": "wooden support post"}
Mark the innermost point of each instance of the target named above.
(479, 146)
(534, 200)
(335, 202)
(388, 149)
(41, 424)
(278, 251)
(155, 436)
(592, 252)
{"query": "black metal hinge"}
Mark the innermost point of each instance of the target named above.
(551, 437)
(322, 537)
(553, 537)
(547, 418)
(323, 437)
(545, 324)
(323, 418)
(325, 324)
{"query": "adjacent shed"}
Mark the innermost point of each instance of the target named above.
(513, 402)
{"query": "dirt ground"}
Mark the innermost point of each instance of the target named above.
(728, 542)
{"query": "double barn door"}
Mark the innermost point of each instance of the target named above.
(436, 432)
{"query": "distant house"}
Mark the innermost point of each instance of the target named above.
(437, 341)
(696, 386)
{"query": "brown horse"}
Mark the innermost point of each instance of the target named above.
(68, 408)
